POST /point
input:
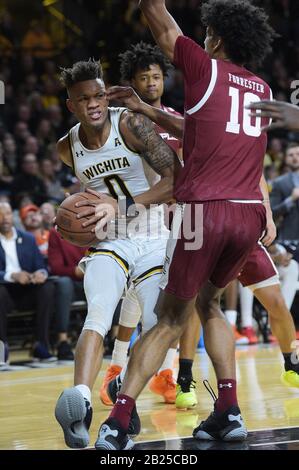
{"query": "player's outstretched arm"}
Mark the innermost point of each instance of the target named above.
(163, 26)
(170, 122)
(285, 115)
(139, 134)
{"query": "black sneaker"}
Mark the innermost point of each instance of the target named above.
(64, 351)
(113, 437)
(226, 426)
(113, 389)
(74, 414)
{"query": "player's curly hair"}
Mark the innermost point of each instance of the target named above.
(80, 71)
(139, 57)
(243, 27)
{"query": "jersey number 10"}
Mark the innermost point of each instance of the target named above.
(233, 125)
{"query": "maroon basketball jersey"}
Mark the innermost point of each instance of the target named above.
(172, 141)
(223, 147)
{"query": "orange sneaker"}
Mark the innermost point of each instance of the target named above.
(239, 339)
(249, 332)
(110, 374)
(164, 384)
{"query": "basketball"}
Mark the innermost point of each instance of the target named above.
(69, 227)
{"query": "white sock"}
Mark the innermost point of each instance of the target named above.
(120, 352)
(86, 392)
(246, 304)
(169, 360)
(231, 316)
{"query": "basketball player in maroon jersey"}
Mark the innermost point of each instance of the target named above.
(223, 161)
(145, 67)
(259, 272)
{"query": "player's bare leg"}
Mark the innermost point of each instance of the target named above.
(225, 422)
(90, 345)
(218, 336)
(231, 300)
(149, 352)
(147, 356)
(282, 326)
(186, 394)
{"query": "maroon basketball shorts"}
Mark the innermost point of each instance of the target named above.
(210, 241)
(259, 270)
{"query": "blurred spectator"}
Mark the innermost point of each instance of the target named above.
(285, 197)
(33, 222)
(37, 42)
(28, 182)
(63, 262)
(24, 283)
(53, 186)
(48, 213)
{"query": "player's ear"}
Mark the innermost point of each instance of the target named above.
(218, 43)
(69, 105)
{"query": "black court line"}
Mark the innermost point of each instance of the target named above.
(270, 439)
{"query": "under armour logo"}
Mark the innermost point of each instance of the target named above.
(236, 418)
(123, 401)
(229, 385)
(106, 429)
(117, 142)
(79, 153)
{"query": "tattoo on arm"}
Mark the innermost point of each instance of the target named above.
(153, 148)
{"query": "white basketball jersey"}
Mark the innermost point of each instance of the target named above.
(116, 170)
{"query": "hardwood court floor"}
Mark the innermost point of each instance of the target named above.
(28, 397)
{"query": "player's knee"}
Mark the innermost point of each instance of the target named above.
(208, 306)
(98, 319)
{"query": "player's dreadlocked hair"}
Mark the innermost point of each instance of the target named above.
(84, 70)
(243, 27)
(139, 57)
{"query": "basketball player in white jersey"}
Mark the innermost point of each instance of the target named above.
(106, 150)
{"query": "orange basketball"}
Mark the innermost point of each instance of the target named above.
(70, 227)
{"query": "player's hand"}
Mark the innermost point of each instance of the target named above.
(38, 277)
(270, 234)
(126, 95)
(285, 115)
(23, 277)
(106, 209)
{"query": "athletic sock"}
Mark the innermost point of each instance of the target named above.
(291, 362)
(120, 353)
(231, 316)
(85, 391)
(227, 394)
(122, 410)
(185, 376)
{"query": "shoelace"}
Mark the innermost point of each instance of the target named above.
(210, 390)
(186, 386)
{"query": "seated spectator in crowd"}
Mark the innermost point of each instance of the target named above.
(54, 188)
(284, 197)
(32, 220)
(288, 270)
(28, 182)
(63, 258)
(24, 281)
(37, 41)
(48, 213)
